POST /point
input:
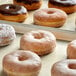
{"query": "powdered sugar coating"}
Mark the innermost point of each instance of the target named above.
(7, 34)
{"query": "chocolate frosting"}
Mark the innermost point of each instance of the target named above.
(10, 9)
(63, 2)
(27, 1)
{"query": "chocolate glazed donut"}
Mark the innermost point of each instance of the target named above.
(63, 2)
(28, 1)
(29, 4)
(13, 12)
(69, 6)
(9, 9)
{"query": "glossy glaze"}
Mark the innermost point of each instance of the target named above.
(10, 9)
(63, 2)
(27, 1)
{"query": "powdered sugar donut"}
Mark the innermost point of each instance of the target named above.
(39, 41)
(7, 34)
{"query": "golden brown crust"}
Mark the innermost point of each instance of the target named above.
(14, 18)
(51, 17)
(49, 24)
(67, 9)
(18, 74)
(33, 6)
(6, 42)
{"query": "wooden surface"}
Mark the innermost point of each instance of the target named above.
(47, 60)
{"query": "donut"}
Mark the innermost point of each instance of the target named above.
(12, 12)
(29, 4)
(7, 34)
(39, 41)
(71, 50)
(21, 63)
(69, 6)
(65, 67)
(50, 17)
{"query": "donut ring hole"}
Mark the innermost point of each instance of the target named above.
(11, 7)
(50, 12)
(72, 66)
(38, 35)
(22, 58)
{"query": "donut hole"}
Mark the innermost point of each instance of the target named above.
(50, 12)
(72, 66)
(38, 35)
(22, 58)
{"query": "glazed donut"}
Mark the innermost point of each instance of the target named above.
(29, 4)
(64, 68)
(21, 63)
(69, 6)
(51, 17)
(7, 34)
(11, 12)
(71, 50)
(39, 41)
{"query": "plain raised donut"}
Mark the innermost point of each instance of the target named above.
(64, 68)
(7, 34)
(71, 50)
(21, 63)
(39, 41)
(12, 12)
(51, 17)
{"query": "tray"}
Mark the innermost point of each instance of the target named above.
(67, 32)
